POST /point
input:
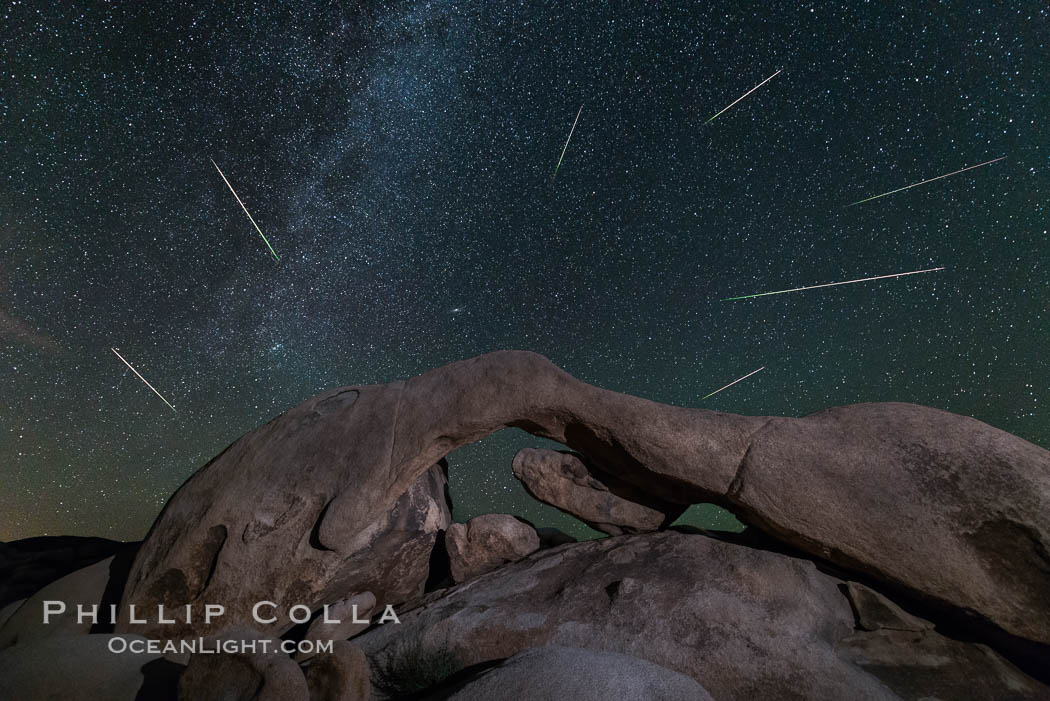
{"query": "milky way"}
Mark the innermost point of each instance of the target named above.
(399, 156)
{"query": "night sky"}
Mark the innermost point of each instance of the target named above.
(399, 159)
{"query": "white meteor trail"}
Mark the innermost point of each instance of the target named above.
(747, 93)
(832, 284)
(567, 142)
(735, 381)
(144, 380)
(908, 187)
(245, 210)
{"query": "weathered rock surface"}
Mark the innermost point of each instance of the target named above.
(942, 505)
(875, 612)
(244, 676)
(341, 675)
(358, 607)
(922, 665)
(485, 542)
(555, 673)
(238, 566)
(82, 668)
(742, 622)
(603, 502)
(83, 587)
(7, 611)
(938, 505)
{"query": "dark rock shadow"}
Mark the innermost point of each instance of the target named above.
(439, 575)
(453, 683)
(119, 570)
(161, 681)
(28, 565)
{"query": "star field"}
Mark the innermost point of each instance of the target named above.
(399, 158)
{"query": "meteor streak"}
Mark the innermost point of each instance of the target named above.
(746, 94)
(832, 284)
(245, 211)
(144, 380)
(908, 187)
(734, 382)
(567, 142)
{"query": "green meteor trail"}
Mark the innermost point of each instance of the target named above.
(246, 211)
(746, 94)
(734, 382)
(832, 284)
(908, 187)
(567, 143)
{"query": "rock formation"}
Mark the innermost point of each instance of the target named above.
(83, 587)
(7, 611)
(83, 668)
(938, 506)
(485, 542)
(874, 611)
(555, 672)
(353, 612)
(342, 675)
(744, 623)
(246, 555)
(251, 676)
(603, 502)
(892, 551)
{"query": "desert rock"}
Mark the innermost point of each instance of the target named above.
(486, 542)
(603, 502)
(246, 676)
(7, 611)
(554, 673)
(358, 607)
(341, 675)
(389, 558)
(875, 612)
(83, 587)
(938, 505)
(742, 622)
(83, 668)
